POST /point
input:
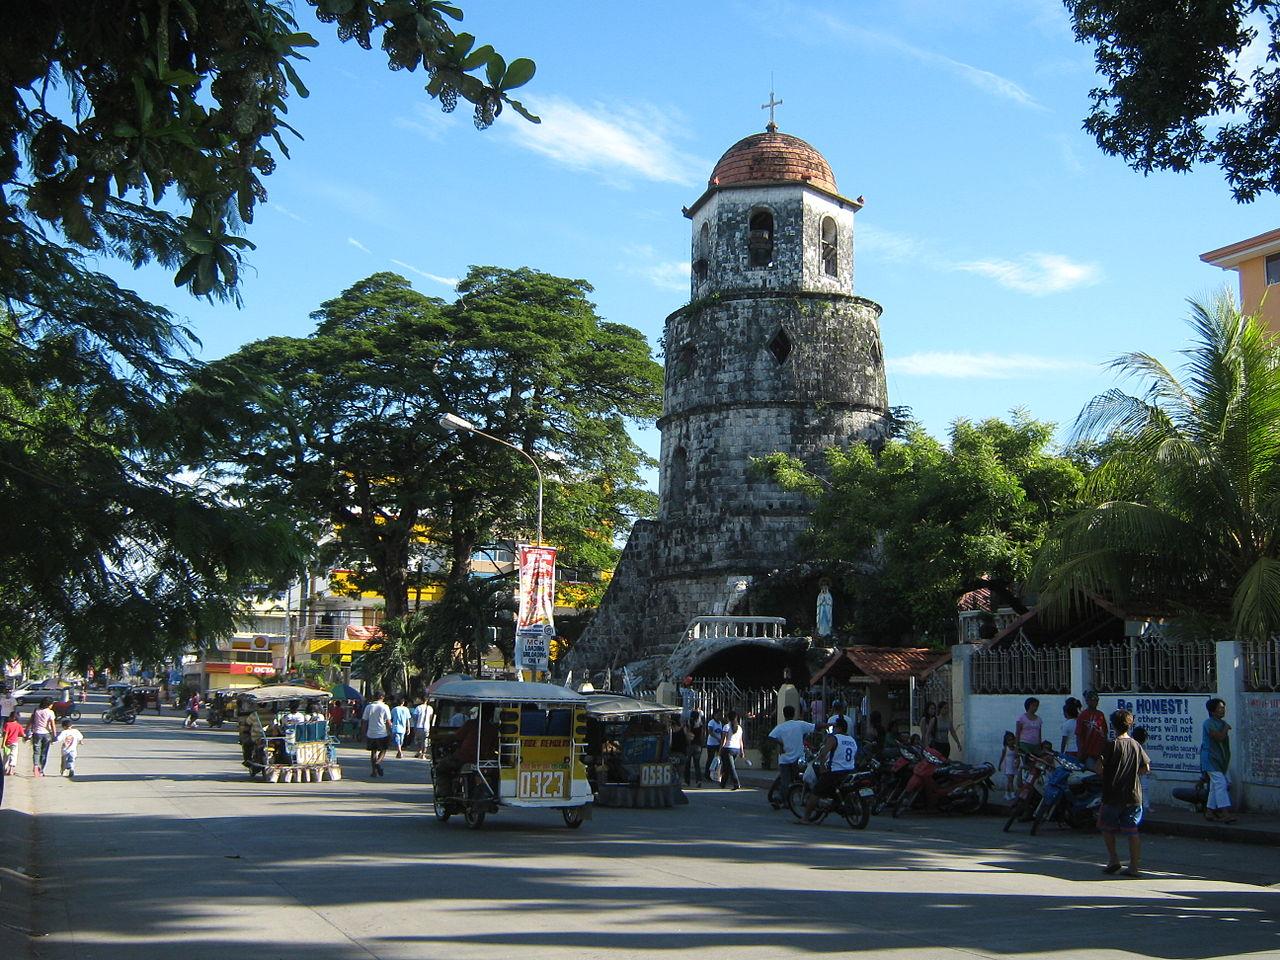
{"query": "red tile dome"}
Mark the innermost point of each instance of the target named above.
(770, 157)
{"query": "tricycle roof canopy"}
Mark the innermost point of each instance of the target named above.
(505, 691)
(284, 692)
(608, 705)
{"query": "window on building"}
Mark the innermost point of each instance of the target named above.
(1273, 269)
(678, 478)
(702, 256)
(780, 346)
(830, 248)
(686, 361)
(760, 239)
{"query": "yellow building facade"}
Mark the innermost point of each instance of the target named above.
(1257, 261)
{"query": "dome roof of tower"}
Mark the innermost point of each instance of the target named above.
(771, 157)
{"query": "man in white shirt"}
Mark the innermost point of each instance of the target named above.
(790, 735)
(420, 722)
(375, 727)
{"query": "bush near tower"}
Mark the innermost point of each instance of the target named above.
(923, 522)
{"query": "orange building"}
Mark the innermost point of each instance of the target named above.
(1257, 260)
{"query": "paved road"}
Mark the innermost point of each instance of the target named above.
(162, 848)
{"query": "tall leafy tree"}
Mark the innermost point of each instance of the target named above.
(1185, 503)
(1178, 91)
(908, 531)
(143, 130)
(341, 427)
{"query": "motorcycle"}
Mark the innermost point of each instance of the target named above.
(1031, 785)
(853, 799)
(957, 788)
(122, 714)
(1071, 795)
(892, 778)
(777, 796)
(1197, 795)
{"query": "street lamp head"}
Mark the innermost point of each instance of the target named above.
(451, 421)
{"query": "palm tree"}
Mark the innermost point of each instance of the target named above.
(396, 649)
(1187, 492)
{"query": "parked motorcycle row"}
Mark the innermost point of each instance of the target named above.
(913, 778)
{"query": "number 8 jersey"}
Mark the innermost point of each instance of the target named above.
(844, 756)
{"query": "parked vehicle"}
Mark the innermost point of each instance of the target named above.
(1197, 794)
(1071, 796)
(958, 788)
(628, 752)
(529, 742)
(894, 774)
(1031, 776)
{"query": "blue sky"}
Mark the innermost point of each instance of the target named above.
(1011, 257)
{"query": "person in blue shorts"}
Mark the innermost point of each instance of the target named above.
(1124, 762)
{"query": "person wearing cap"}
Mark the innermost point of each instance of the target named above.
(1091, 732)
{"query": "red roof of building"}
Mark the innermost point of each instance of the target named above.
(772, 157)
(883, 663)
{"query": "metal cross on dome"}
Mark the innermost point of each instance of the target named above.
(773, 126)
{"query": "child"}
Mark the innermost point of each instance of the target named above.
(1009, 763)
(1140, 734)
(11, 733)
(69, 740)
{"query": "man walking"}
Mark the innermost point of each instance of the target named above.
(375, 727)
(1123, 763)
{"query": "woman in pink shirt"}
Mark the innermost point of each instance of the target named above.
(42, 729)
(1030, 728)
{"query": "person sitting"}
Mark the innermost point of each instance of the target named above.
(477, 742)
(839, 754)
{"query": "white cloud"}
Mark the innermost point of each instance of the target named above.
(282, 209)
(886, 244)
(433, 277)
(643, 261)
(358, 245)
(428, 120)
(962, 365)
(1035, 273)
(984, 80)
(615, 142)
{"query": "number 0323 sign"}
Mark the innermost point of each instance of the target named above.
(544, 772)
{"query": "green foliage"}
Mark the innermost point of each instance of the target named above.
(1176, 95)
(1184, 508)
(908, 531)
(143, 131)
(340, 427)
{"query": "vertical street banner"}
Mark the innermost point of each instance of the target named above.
(535, 623)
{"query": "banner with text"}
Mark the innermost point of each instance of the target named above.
(1173, 722)
(1261, 722)
(535, 623)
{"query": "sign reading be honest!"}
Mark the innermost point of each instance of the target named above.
(1172, 722)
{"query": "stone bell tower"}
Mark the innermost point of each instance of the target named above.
(774, 352)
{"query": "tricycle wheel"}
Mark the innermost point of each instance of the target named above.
(474, 815)
(74, 716)
(130, 718)
(572, 817)
(443, 813)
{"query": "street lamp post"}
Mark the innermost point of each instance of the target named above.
(451, 421)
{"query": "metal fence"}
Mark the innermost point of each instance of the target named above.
(1262, 665)
(756, 708)
(1021, 667)
(1154, 663)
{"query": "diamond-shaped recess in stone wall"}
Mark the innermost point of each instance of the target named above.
(780, 346)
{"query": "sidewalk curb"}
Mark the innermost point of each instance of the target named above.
(1202, 830)
(18, 876)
